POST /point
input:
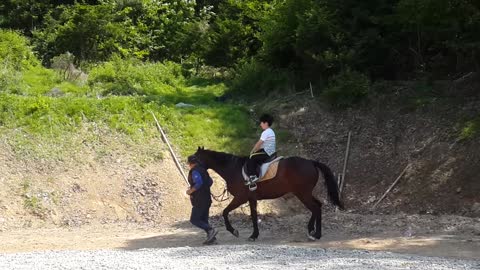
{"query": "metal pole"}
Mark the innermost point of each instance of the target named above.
(391, 186)
(170, 148)
(345, 162)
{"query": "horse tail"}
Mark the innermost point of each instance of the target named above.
(331, 183)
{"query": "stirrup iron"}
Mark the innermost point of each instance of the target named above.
(252, 186)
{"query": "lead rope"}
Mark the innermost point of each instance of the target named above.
(223, 196)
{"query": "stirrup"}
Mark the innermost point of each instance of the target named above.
(251, 180)
(252, 186)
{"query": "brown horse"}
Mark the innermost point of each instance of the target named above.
(295, 174)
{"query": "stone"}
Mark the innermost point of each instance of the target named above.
(476, 208)
(55, 92)
(183, 105)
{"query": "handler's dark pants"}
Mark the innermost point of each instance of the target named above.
(256, 160)
(199, 216)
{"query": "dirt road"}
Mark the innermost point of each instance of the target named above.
(442, 236)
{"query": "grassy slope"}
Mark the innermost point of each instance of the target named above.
(29, 115)
(90, 152)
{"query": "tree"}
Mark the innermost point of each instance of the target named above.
(440, 36)
(302, 35)
(27, 15)
(234, 32)
(157, 30)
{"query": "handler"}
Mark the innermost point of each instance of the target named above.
(199, 191)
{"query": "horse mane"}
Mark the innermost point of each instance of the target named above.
(224, 158)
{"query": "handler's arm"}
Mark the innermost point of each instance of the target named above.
(198, 182)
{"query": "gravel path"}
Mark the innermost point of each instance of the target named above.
(228, 257)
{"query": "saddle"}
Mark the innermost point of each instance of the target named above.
(267, 170)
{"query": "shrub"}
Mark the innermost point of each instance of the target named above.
(131, 77)
(15, 57)
(347, 89)
(15, 51)
(254, 78)
(471, 129)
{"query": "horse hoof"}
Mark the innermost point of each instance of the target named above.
(251, 239)
(236, 233)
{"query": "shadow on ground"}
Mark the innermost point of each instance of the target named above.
(291, 231)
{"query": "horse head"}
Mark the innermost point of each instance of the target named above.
(202, 155)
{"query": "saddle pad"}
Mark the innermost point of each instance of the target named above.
(267, 170)
(271, 171)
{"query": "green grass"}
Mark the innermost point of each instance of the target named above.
(39, 80)
(54, 120)
(224, 128)
(33, 119)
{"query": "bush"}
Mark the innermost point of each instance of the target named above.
(132, 77)
(471, 129)
(15, 57)
(10, 79)
(15, 52)
(254, 78)
(347, 89)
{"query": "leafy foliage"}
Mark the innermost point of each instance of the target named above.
(314, 40)
(130, 49)
(298, 33)
(256, 79)
(439, 35)
(234, 30)
(347, 89)
(156, 30)
(15, 51)
(132, 77)
(15, 56)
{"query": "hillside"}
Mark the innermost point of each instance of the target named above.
(97, 175)
(436, 139)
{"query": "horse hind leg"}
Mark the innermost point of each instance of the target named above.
(318, 221)
(311, 224)
(315, 222)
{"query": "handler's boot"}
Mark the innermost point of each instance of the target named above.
(211, 234)
(212, 242)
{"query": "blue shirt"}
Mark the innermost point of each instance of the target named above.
(197, 180)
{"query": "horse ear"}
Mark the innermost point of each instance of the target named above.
(198, 148)
(203, 147)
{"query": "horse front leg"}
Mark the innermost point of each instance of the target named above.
(236, 202)
(253, 213)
